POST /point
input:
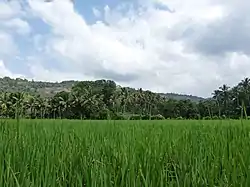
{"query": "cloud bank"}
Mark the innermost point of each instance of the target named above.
(187, 47)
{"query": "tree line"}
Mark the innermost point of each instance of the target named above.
(103, 99)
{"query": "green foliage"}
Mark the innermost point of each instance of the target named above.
(103, 99)
(119, 117)
(157, 117)
(207, 118)
(197, 116)
(215, 118)
(179, 118)
(145, 117)
(135, 117)
(104, 114)
(224, 116)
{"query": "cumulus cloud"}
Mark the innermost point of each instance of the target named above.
(12, 22)
(132, 48)
(8, 10)
(4, 71)
(17, 25)
(189, 46)
(7, 44)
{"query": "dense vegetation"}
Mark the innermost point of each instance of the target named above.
(124, 153)
(103, 99)
(49, 89)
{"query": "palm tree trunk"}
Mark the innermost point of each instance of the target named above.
(124, 108)
(150, 111)
(60, 112)
(41, 113)
(209, 113)
(244, 109)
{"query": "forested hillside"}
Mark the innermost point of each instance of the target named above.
(103, 99)
(47, 89)
(182, 97)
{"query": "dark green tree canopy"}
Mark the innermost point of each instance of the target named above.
(104, 99)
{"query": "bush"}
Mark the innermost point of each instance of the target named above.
(207, 118)
(215, 118)
(157, 117)
(135, 117)
(179, 118)
(118, 117)
(104, 114)
(114, 116)
(197, 116)
(145, 117)
(224, 117)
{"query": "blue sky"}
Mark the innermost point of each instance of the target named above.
(187, 47)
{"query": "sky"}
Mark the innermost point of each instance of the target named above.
(189, 47)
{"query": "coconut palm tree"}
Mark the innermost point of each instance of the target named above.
(217, 96)
(5, 103)
(225, 96)
(244, 94)
(18, 103)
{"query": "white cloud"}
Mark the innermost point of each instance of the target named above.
(189, 49)
(7, 44)
(134, 45)
(96, 12)
(18, 25)
(12, 22)
(6, 72)
(38, 72)
(6, 11)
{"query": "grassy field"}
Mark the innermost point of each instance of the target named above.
(124, 153)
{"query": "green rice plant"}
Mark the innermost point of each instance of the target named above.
(124, 153)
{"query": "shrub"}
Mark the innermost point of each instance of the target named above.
(119, 117)
(224, 117)
(197, 116)
(157, 117)
(145, 117)
(104, 114)
(215, 118)
(179, 118)
(135, 117)
(207, 118)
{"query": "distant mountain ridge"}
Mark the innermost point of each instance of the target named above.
(182, 97)
(47, 89)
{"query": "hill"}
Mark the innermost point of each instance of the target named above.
(182, 97)
(47, 89)
(34, 87)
